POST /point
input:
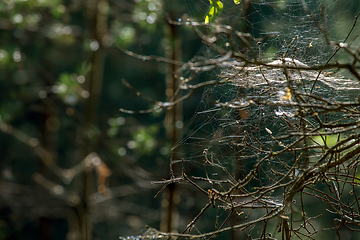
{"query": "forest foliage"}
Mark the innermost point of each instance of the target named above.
(197, 119)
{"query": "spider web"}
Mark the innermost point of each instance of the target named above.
(221, 124)
(253, 105)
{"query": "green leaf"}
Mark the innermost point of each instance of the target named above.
(237, 1)
(330, 140)
(216, 6)
(356, 180)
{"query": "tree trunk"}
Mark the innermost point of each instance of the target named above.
(96, 15)
(170, 215)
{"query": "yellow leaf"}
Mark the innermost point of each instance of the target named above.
(216, 6)
(220, 6)
(207, 19)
